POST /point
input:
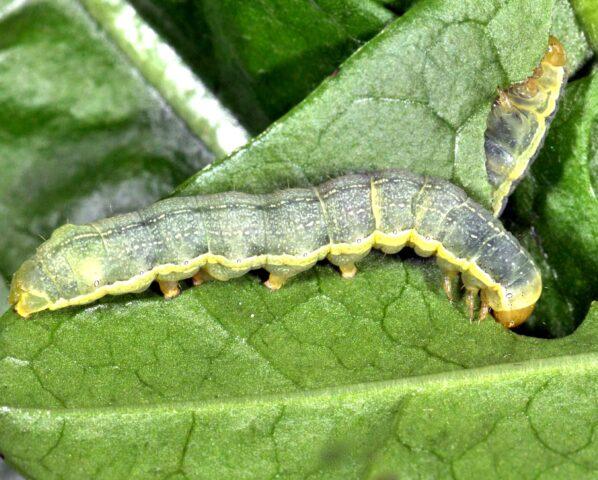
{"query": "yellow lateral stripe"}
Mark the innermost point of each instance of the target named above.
(377, 239)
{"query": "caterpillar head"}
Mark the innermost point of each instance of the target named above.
(556, 53)
(27, 290)
(60, 269)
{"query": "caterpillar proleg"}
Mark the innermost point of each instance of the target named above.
(226, 235)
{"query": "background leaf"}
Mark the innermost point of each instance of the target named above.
(566, 27)
(160, 65)
(413, 81)
(588, 16)
(264, 57)
(3, 295)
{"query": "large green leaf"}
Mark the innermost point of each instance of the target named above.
(82, 134)
(160, 65)
(587, 13)
(376, 377)
(264, 57)
(326, 377)
(558, 202)
(567, 28)
(416, 96)
(3, 295)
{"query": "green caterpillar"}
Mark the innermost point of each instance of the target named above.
(225, 235)
(519, 121)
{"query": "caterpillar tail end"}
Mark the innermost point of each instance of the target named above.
(21, 308)
(513, 318)
(25, 304)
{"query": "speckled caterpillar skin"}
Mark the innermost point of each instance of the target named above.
(285, 232)
(519, 121)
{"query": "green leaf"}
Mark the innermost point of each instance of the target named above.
(169, 75)
(3, 295)
(431, 74)
(564, 26)
(588, 16)
(83, 135)
(554, 315)
(325, 377)
(264, 57)
(559, 201)
(567, 29)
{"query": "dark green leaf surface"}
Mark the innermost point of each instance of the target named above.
(3, 295)
(554, 315)
(168, 74)
(587, 12)
(81, 135)
(231, 378)
(416, 96)
(559, 201)
(264, 57)
(566, 27)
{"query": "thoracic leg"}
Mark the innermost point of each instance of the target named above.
(348, 271)
(484, 306)
(470, 294)
(169, 289)
(504, 100)
(448, 279)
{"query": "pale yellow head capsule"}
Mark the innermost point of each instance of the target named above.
(556, 53)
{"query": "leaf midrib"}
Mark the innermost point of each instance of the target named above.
(574, 364)
(219, 129)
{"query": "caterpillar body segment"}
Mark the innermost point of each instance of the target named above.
(223, 236)
(519, 121)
